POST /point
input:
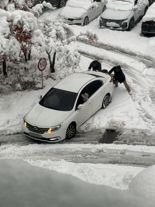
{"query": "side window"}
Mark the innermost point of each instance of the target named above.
(94, 86)
(88, 91)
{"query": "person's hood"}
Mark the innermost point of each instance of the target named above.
(72, 12)
(115, 14)
(44, 117)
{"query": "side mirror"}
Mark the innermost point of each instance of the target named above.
(40, 97)
(135, 7)
(80, 106)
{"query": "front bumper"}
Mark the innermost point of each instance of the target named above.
(112, 24)
(55, 136)
(73, 21)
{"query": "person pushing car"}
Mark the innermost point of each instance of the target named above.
(116, 73)
(119, 77)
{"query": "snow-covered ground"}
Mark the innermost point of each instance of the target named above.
(136, 55)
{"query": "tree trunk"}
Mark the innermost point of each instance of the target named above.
(4, 68)
(29, 55)
(51, 62)
(59, 4)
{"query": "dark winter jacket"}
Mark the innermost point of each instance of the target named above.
(118, 73)
(95, 66)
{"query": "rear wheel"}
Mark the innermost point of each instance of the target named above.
(106, 101)
(71, 131)
(86, 21)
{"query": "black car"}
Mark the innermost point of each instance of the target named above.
(148, 22)
(55, 3)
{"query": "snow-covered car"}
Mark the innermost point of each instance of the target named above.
(148, 22)
(123, 14)
(81, 12)
(54, 3)
(64, 108)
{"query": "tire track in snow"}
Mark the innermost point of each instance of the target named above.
(136, 67)
(148, 60)
(75, 152)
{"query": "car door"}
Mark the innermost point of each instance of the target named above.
(91, 12)
(143, 5)
(89, 107)
(99, 7)
(140, 6)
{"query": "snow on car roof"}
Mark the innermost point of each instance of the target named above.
(79, 3)
(74, 81)
(120, 4)
(150, 14)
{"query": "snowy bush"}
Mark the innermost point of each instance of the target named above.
(24, 40)
(57, 39)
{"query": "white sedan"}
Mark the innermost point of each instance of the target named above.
(82, 11)
(123, 14)
(67, 106)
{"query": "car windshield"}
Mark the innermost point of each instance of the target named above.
(59, 99)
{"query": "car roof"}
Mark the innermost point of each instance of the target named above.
(75, 81)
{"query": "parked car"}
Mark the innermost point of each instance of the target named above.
(148, 22)
(64, 108)
(55, 3)
(81, 12)
(123, 14)
(151, 2)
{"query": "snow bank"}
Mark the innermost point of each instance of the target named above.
(144, 184)
(24, 185)
(115, 176)
(150, 14)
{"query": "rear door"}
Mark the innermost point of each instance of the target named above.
(93, 103)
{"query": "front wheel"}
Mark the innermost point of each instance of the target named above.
(86, 21)
(106, 101)
(131, 24)
(71, 131)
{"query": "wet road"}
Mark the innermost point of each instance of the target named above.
(84, 148)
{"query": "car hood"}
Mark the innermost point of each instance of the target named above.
(72, 12)
(44, 117)
(115, 14)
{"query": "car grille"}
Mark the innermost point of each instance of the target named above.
(36, 129)
(105, 21)
(69, 19)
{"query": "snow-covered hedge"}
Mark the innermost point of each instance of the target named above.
(24, 40)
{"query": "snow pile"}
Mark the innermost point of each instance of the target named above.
(25, 185)
(38, 9)
(115, 176)
(144, 184)
(150, 14)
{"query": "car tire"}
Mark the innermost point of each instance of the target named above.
(106, 101)
(71, 131)
(86, 21)
(131, 24)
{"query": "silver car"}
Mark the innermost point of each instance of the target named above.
(81, 12)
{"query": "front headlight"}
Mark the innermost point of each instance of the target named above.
(124, 24)
(51, 129)
(24, 122)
